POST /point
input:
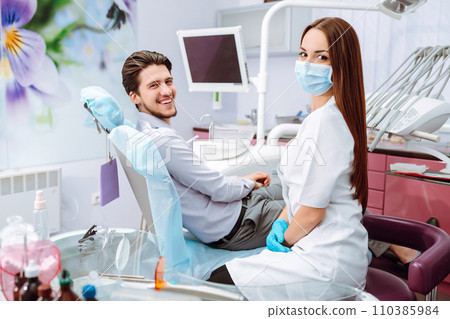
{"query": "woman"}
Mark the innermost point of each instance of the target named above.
(318, 236)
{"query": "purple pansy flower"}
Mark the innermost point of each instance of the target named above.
(24, 65)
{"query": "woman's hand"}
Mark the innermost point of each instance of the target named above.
(260, 178)
(276, 236)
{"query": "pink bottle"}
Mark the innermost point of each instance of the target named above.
(13, 258)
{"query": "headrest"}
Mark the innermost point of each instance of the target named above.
(103, 106)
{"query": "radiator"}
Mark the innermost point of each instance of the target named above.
(18, 190)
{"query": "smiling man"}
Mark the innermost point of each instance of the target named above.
(156, 94)
(147, 78)
(227, 212)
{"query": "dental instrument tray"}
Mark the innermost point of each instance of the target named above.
(408, 102)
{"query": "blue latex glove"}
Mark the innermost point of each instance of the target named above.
(276, 236)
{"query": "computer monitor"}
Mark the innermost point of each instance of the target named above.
(214, 59)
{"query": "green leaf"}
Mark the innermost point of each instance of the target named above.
(55, 44)
(46, 10)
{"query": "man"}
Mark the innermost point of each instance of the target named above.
(221, 211)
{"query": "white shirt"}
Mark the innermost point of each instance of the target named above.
(315, 171)
(210, 202)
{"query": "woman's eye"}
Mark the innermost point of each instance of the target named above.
(303, 54)
(322, 58)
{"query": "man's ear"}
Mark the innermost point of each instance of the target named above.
(135, 98)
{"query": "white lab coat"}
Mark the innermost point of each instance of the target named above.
(315, 171)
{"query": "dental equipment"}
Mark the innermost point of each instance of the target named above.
(407, 103)
(214, 60)
(398, 8)
(155, 191)
(211, 125)
(394, 8)
(253, 116)
(280, 130)
(191, 140)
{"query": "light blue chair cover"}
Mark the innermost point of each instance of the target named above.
(103, 106)
(185, 255)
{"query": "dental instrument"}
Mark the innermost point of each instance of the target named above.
(398, 97)
(407, 103)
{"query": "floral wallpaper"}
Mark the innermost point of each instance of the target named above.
(50, 49)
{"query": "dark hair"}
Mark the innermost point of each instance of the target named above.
(348, 89)
(138, 61)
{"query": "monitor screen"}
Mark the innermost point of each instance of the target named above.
(214, 59)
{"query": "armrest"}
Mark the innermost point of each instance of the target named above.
(433, 265)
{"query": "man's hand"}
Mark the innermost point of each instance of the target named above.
(261, 179)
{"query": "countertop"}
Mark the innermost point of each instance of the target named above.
(423, 179)
(394, 146)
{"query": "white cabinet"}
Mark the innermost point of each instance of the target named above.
(285, 27)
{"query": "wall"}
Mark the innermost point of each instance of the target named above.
(79, 180)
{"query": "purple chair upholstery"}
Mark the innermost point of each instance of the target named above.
(387, 287)
(392, 266)
(425, 272)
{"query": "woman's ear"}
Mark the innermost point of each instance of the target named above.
(134, 98)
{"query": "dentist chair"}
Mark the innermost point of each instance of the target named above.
(154, 190)
(425, 272)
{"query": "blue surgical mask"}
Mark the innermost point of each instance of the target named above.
(313, 78)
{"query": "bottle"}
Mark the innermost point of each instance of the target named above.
(89, 293)
(19, 280)
(17, 240)
(28, 292)
(45, 292)
(40, 216)
(65, 292)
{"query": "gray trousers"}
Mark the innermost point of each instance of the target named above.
(378, 248)
(264, 206)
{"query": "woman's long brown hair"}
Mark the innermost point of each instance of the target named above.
(348, 89)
